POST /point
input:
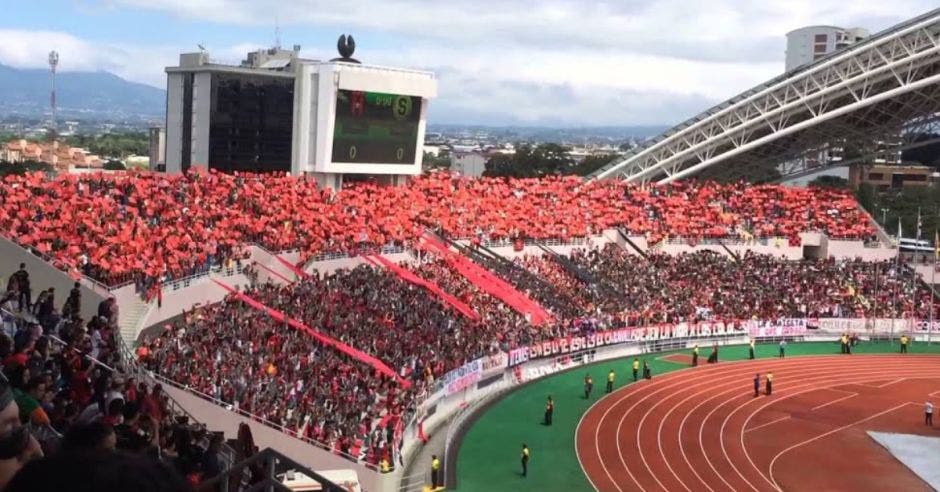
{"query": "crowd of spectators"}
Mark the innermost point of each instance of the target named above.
(66, 394)
(152, 227)
(632, 291)
(248, 361)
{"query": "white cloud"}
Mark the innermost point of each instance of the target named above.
(716, 29)
(559, 61)
(30, 49)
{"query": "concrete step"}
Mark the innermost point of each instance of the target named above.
(129, 320)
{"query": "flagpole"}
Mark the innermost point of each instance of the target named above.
(897, 280)
(933, 281)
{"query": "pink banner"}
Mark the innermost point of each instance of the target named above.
(272, 272)
(297, 271)
(320, 337)
(489, 283)
(431, 286)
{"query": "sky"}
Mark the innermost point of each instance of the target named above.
(498, 62)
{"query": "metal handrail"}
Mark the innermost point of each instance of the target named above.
(231, 408)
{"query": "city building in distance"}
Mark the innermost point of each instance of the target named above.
(808, 44)
(278, 112)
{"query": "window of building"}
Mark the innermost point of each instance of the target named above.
(821, 38)
(187, 136)
(251, 123)
(876, 176)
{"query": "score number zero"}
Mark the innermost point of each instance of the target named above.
(353, 151)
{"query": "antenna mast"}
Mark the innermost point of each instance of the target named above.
(53, 63)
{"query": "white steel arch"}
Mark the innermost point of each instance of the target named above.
(879, 89)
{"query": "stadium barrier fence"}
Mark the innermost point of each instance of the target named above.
(454, 406)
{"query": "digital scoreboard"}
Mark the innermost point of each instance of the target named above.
(375, 128)
(355, 119)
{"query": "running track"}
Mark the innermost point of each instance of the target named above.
(691, 429)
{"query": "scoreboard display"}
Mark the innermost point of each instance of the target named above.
(375, 128)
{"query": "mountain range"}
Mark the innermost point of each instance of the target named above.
(25, 92)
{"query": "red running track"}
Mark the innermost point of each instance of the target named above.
(703, 429)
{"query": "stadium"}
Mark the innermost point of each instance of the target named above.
(645, 328)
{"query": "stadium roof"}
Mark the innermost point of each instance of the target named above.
(883, 87)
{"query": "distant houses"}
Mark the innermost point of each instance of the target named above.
(61, 157)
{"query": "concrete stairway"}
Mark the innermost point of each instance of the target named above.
(129, 317)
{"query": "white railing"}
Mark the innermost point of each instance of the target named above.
(257, 418)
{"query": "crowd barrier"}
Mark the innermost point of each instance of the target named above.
(457, 394)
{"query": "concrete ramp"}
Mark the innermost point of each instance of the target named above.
(919, 453)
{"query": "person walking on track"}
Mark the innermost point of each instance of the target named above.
(525, 460)
(713, 357)
(928, 413)
(636, 368)
(904, 342)
(845, 343)
(610, 380)
(750, 350)
(770, 383)
(549, 410)
(588, 386)
(435, 472)
(783, 348)
(756, 385)
(695, 355)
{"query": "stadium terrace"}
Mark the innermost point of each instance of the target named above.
(145, 227)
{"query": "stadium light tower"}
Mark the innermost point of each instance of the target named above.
(53, 63)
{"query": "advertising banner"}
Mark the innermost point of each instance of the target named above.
(462, 377)
(567, 345)
(492, 364)
(881, 326)
(785, 327)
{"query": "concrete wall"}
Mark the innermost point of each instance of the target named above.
(43, 275)
(776, 248)
(928, 273)
(201, 291)
(840, 249)
(174, 122)
(202, 100)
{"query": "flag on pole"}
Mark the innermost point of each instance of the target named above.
(936, 244)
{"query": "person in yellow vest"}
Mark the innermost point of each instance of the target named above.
(384, 466)
(770, 383)
(435, 472)
(610, 381)
(750, 350)
(695, 355)
(588, 386)
(636, 368)
(904, 341)
(845, 343)
(525, 460)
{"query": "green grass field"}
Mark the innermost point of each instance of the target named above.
(488, 459)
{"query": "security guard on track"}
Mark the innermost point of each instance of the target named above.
(435, 472)
(525, 460)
